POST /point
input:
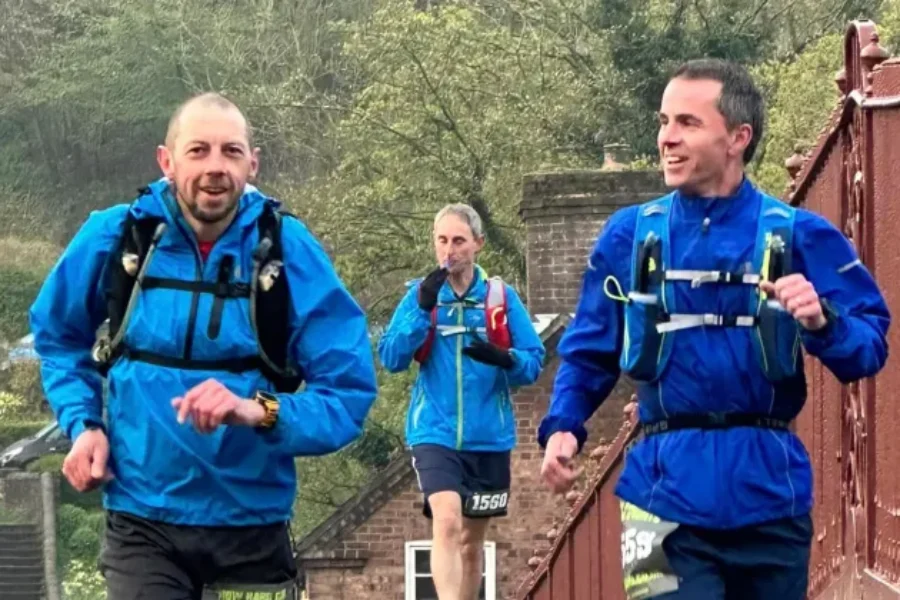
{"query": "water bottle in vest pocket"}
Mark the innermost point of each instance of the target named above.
(778, 333)
(779, 341)
(642, 342)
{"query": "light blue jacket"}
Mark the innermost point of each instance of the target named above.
(458, 402)
(170, 472)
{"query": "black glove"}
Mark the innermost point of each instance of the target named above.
(488, 353)
(430, 286)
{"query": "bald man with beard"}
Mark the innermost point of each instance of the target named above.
(218, 376)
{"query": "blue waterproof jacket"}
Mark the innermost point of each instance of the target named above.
(458, 402)
(723, 478)
(167, 471)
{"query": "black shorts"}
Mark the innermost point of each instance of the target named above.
(481, 479)
(143, 559)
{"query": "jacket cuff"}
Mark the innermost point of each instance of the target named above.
(835, 329)
(81, 424)
(551, 425)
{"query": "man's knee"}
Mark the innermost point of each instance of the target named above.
(448, 527)
(446, 510)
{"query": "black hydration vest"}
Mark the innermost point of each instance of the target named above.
(268, 292)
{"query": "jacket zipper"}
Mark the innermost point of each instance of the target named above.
(460, 320)
(198, 273)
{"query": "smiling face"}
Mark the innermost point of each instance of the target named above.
(208, 158)
(699, 152)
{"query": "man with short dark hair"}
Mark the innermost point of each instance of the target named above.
(219, 307)
(704, 297)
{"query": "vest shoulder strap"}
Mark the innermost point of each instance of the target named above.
(273, 301)
(651, 249)
(123, 264)
(774, 238)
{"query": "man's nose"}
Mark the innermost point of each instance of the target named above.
(669, 135)
(215, 163)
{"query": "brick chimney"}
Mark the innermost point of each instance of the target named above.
(563, 214)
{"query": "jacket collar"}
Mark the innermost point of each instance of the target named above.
(742, 203)
(476, 292)
(157, 200)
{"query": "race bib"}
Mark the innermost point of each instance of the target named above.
(644, 564)
(486, 504)
(287, 591)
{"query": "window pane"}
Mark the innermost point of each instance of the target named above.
(482, 594)
(425, 589)
(423, 556)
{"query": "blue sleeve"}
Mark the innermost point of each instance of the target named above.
(64, 318)
(404, 334)
(528, 350)
(854, 344)
(589, 349)
(330, 342)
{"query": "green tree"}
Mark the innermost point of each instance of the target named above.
(451, 106)
(801, 95)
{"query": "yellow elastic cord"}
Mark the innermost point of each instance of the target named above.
(764, 271)
(619, 296)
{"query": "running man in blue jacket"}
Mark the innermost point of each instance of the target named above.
(473, 340)
(206, 352)
(705, 298)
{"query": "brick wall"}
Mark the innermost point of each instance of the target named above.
(532, 509)
(563, 214)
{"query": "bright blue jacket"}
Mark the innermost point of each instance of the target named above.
(731, 477)
(458, 402)
(170, 472)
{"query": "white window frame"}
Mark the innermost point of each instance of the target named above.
(490, 568)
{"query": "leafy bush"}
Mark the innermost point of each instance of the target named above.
(83, 582)
(85, 542)
(69, 519)
(78, 537)
(23, 379)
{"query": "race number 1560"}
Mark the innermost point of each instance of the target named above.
(483, 502)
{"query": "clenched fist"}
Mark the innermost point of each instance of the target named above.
(85, 466)
(558, 471)
(798, 296)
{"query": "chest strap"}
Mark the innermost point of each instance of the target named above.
(222, 289)
(233, 365)
(713, 421)
(686, 321)
(698, 278)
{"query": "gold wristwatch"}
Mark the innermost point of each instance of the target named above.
(270, 405)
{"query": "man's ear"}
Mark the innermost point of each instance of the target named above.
(254, 164)
(741, 138)
(165, 161)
